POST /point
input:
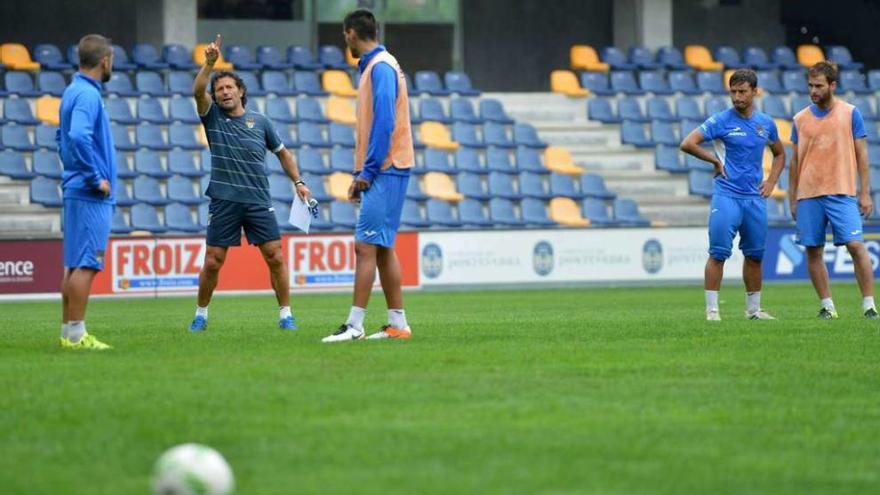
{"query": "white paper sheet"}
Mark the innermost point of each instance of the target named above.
(300, 217)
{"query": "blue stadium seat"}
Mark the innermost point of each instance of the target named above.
(275, 82)
(459, 82)
(667, 158)
(597, 83)
(148, 190)
(599, 109)
(593, 186)
(13, 165)
(466, 135)
(672, 58)
(688, 125)
(438, 161)
(123, 198)
(842, 57)
(471, 186)
(241, 57)
(410, 88)
(716, 104)
(342, 214)
(121, 138)
(277, 109)
(280, 188)
(529, 159)
(853, 81)
(183, 110)
(283, 131)
(534, 213)
(46, 192)
(271, 57)
(658, 109)
(431, 109)
(182, 162)
(493, 111)
(411, 216)
(310, 134)
(700, 183)
(531, 185)
(254, 88)
(121, 61)
(564, 185)
(414, 190)
(51, 83)
(179, 218)
(146, 56)
(124, 169)
(180, 189)
(688, 108)
(616, 58)
(633, 133)
(769, 81)
(795, 81)
(784, 58)
(120, 223)
(429, 82)
(728, 56)
(50, 58)
(46, 164)
(342, 160)
(15, 137)
(18, 110)
(495, 134)
(150, 136)
(874, 79)
(310, 160)
(72, 55)
(331, 57)
(683, 82)
(150, 83)
(501, 186)
(498, 160)
(150, 110)
(45, 136)
(654, 82)
(711, 82)
(502, 212)
(644, 58)
(439, 212)
(596, 212)
(120, 85)
(873, 133)
(526, 135)
(318, 187)
(865, 106)
(302, 58)
(756, 58)
(309, 110)
(775, 107)
(178, 57)
(664, 133)
(180, 83)
(625, 82)
(308, 83)
(273, 164)
(145, 217)
(628, 108)
(148, 162)
(19, 83)
(468, 160)
(341, 135)
(873, 156)
(799, 102)
(471, 214)
(626, 212)
(462, 110)
(183, 136)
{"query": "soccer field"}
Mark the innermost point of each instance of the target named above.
(540, 391)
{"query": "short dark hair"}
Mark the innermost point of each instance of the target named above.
(363, 22)
(740, 76)
(825, 68)
(238, 82)
(92, 48)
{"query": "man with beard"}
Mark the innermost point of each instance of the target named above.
(89, 185)
(739, 203)
(830, 148)
(239, 187)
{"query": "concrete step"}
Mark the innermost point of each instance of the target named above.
(538, 107)
(687, 215)
(635, 188)
(14, 192)
(597, 136)
(19, 225)
(621, 158)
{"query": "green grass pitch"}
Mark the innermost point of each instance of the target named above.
(534, 391)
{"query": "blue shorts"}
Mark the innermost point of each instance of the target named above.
(814, 214)
(226, 219)
(381, 207)
(86, 230)
(727, 216)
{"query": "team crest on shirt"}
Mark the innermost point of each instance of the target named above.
(249, 122)
(761, 131)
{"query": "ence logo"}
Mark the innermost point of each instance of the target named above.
(432, 260)
(542, 258)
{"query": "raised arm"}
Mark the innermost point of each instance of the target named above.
(200, 84)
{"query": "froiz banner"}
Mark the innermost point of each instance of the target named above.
(786, 260)
(141, 265)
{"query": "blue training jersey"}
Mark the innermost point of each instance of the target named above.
(739, 143)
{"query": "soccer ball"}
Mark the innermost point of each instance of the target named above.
(192, 469)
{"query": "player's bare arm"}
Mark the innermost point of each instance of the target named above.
(691, 146)
(793, 183)
(866, 203)
(288, 163)
(769, 185)
(200, 84)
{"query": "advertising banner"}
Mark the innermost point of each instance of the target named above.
(31, 267)
(786, 260)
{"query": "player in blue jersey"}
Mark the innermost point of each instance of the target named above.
(739, 203)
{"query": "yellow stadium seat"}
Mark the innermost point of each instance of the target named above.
(349, 58)
(48, 108)
(809, 55)
(341, 110)
(338, 184)
(436, 135)
(584, 57)
(565, 211)
(17, 57)
(199, 58)
(440, 186)
(783, 127)
(699, 57)
(559, 160)
(338, 82)
(565, 82)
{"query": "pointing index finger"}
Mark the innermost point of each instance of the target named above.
(218, 40)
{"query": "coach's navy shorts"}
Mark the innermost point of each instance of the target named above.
(86, 230)
(226, 219)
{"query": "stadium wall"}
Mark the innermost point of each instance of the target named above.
(737, 24)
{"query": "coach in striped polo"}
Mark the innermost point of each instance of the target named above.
(239, 187)
(383, 158)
